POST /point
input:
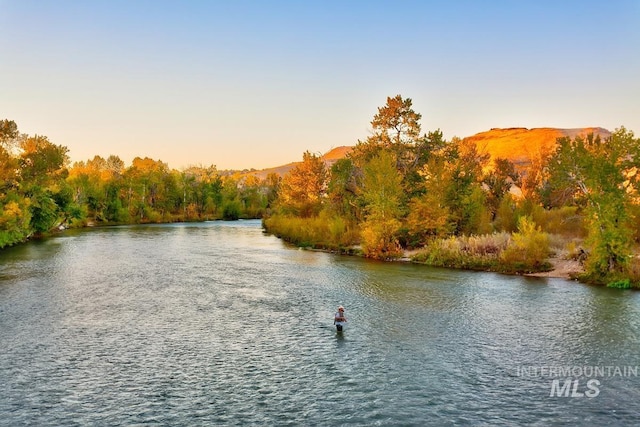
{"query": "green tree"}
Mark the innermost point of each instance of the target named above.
(42, 172)
(342, 189)
(382, 191)
(601, 176)
(499, 181)
(395, 128)
(15, 219)
(41, 161)
(272, 188)
(528, 250)
(253, 200)
(145, 186)
(463, 191)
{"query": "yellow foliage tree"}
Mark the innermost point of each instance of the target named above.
(303, 188)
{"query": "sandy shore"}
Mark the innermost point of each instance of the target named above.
(562, 268)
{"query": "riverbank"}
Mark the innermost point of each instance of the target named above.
(562, 268)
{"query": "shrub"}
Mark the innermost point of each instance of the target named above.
(231, 210)
(473, 252)
(379, 239)
(565, 221)
(620, 284)
(528, 251)
(324, 232)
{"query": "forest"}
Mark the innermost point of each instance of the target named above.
(400, 192)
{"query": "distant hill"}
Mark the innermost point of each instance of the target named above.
(329, 158)
(519, 145)
(522, 145)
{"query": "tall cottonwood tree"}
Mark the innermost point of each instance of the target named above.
(396, 128)
(429, 215)
(464, 194)
(342, 189)
(381, 192)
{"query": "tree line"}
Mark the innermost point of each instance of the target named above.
(40, 191)
(399, 190)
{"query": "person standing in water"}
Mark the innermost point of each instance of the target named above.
(339, 319)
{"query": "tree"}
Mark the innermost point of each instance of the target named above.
(428, 218)
(42, 171)
(499, 181)
(602, 177)
(272, 187)
(8, 170)
(15, 219)
(396, 128)
(253, 201)
(41, 161)
(342, 189)
(145, 188)
(303, 188)
(396, 122)
(8, 134)
(463, 193)
(381, 193)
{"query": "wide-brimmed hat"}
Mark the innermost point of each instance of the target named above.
(340, 308)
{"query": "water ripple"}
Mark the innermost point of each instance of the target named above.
(219, 324)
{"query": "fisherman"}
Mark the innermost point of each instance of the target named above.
(339, 319)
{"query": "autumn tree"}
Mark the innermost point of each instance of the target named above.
(429, 214)
(145, 179)
(9, 134)
(88, 181)
(113, 175)
(303, 188)
(8, 170)
(382, 191)
(396, 128)
(15, 214)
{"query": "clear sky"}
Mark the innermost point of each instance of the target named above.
(253, 84)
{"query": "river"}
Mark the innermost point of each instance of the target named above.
(217, 323)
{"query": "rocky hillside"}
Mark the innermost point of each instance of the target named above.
(522, 145)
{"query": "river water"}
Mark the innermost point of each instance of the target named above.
(219, 324)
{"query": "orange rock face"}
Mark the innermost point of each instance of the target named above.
(523, 146)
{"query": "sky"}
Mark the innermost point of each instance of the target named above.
(254, 84)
